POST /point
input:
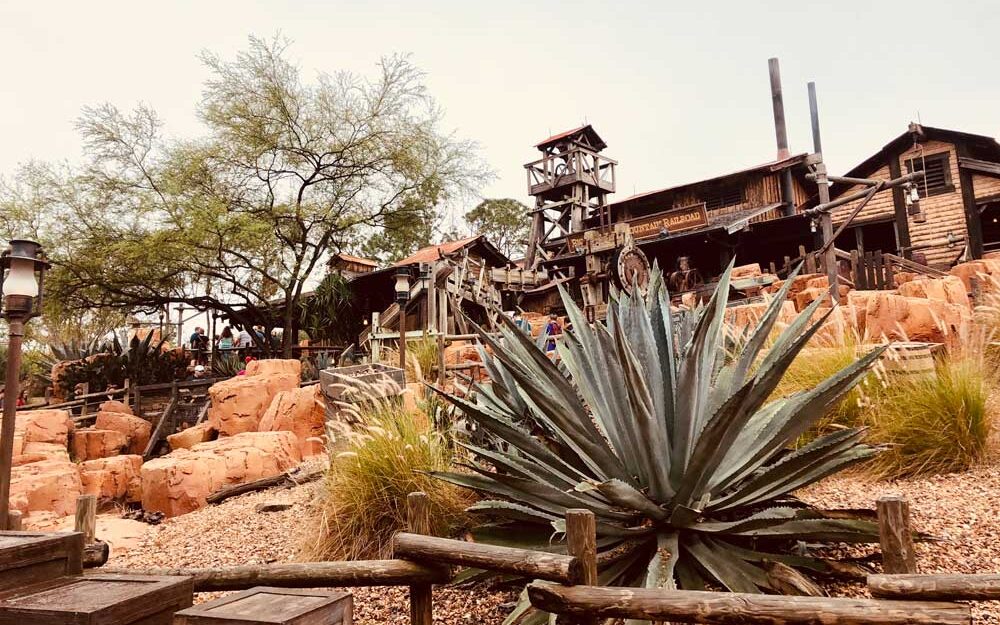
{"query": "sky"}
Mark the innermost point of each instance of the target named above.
(679, 91)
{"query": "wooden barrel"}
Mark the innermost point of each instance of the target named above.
(909, 358)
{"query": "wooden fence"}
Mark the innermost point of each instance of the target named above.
(567, 585)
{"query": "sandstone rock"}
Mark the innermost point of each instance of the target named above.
(49, 451)
(44, 426)
(239, 403)
(115, 406)
(460, 352)
(90, 444)
(23, 458)
(180, 481)
(893, 316)
(902, 277)
(745, 317)
(822, 282)
(300, 411)
(56, 374)
(745, 271)
(136, 429)
(113, 478)
(47, 486)
(186, 439)
(949, 289)
(807, 296)
(274, 365)
(801, 282)
(987, 271)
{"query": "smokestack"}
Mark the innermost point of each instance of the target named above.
(780, 132)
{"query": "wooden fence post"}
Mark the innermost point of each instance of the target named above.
(895, 536)
(14, 523)
(86, 518)
(418, 516)
(581, 543)
(440, 359)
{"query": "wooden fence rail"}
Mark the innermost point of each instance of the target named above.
(983, 587)
(723, 608)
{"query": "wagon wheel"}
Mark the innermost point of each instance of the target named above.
(631, 268)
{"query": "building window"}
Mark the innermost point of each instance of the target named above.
(723, 197)
(937, 173)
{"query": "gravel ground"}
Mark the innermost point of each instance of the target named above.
(960, 509)
(232, 534)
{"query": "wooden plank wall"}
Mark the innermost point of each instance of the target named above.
(759, 190)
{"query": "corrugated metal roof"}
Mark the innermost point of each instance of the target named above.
(432, 253)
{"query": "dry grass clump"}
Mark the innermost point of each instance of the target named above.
(364, 495)
(934, 424)
(421, 358)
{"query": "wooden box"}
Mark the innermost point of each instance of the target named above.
(98, 600)
(32, 557)
(273, 606)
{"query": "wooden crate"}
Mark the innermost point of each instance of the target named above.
(273, 606)
(32, 557)
(101, 599)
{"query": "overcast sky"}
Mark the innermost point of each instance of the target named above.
(678, 92)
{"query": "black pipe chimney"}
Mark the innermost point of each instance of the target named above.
(781, 135)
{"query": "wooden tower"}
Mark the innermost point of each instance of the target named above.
(570, 184)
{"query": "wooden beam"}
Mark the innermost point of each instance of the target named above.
(936, 587)
(418, 514)
(973, 222)
(303, 575)
(534, 564)
(723, 608)
(987, 168)
(899, 210)
(86, 518)
(895, 536)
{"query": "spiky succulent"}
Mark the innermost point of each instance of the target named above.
(669, 438)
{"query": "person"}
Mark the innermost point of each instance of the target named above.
(259, 331)
(227, 341)
(245, 340)
(523, 324)
(199, 345)
(552, 330)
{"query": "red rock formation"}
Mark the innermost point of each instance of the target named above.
(136, 429)
(239, 403)
(49, 485)
(300, 411)
(186, 439)
(113, 478)
(90, 444)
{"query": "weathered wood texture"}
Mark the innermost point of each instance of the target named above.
(983, 587)
(273, 606)
(14, 520)
(33, 557)
(418, 515)
(895, 535)
(96, 554)
(581, 543)
(722, 608)
(86, 518)
(288, 478)
(305, 575)
(97, 600)
(534, 564)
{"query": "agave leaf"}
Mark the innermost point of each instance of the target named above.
(660, 570)
(628, 497)
(734, 574)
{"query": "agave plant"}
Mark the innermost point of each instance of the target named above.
(669, 439)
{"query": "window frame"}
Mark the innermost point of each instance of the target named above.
(721, 192)
(938, 157)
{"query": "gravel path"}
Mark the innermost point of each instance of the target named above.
(960, 509)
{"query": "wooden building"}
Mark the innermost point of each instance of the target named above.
(351, 266)
(952, 215)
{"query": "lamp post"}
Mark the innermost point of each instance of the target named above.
(402, 296)
(22, 269)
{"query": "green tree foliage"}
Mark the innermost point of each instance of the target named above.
(670, 442)
(504, 222)
(286, 172)
(329, 314)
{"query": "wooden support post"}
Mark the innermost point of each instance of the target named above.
(418, 515)
(86, 518)
(581, 543)
(895, 536)
(86, 391)
(440, 360)
(14, 522)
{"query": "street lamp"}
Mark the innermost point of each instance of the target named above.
(22, 270)
(402, 296)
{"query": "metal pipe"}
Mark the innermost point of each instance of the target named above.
(777, 103)
(846, 180)
(10, 394)
(814, 118)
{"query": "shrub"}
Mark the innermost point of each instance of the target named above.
(364, 497)
(934, 424)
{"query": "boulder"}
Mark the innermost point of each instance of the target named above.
(179, 482)
(300, 411)
(116, 478)
(115, 406)
(136, 429)
(746, 271)
(800, 282)
(46, 486)
(807, 296)
(44, 426)
(461, 352)
(23, 458)
(90, 443)
(949, 289)
(49, 451)
(56, 375)
(745, 317)
(186, 439)
(893, 316)
(821, 282)
(986, 271)
(239, 403)
(274, 365)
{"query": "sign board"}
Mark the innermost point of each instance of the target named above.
(673, 220)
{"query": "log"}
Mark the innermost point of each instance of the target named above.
(304, 575)
(895, 537)
(86, 518)
(723, 608)
(418, 513)
(581, 543)
(288, 478)
(985, 587)
(534, 564)
(96, 554)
